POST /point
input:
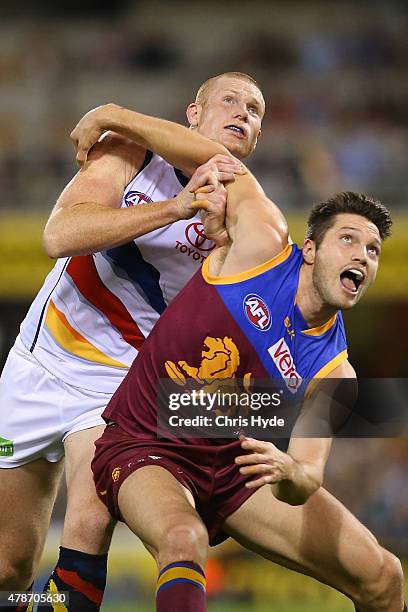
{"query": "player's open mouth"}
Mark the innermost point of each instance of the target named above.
(351, 280)
(236, 129)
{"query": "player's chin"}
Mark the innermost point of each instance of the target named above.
(348, 300)
(238, 148)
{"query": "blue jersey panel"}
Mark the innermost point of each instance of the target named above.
(264, 307)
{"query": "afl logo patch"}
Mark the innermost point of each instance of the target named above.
(257, 312)
(196, 237)
(136, 197)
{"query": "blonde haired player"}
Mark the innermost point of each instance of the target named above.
(127, 239)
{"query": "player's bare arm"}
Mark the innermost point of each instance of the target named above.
(87, 217)
(250, 213)
(165, 138)
(297, 474)
(328, 404)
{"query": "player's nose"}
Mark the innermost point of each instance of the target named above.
(360, 255)
(241, 112)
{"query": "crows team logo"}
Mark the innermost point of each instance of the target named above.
(196, 237)
(257, 312)
(132, 198)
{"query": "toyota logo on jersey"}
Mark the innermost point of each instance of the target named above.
(196, 237)
(257, 312)
(136, 197)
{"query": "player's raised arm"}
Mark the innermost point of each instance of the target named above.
(249, 213)
(183, 148)
(87, 217)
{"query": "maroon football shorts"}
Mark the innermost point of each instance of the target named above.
(208, 471)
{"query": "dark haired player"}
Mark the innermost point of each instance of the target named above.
(179, 494)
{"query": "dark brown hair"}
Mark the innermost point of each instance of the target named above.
(323, 215)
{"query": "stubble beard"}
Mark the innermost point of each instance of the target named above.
(321, 285)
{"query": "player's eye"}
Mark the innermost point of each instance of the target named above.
(228, 99)
(253, 110)
(347, 238)
(374, 250)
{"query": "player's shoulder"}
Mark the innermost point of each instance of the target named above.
(344, 370)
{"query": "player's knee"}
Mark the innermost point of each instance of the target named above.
(16, 573)
(185, 541)
(386, 583)
(89, 525)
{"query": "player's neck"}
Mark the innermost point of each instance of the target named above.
(313, 309)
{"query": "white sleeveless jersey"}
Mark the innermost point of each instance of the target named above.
(92, 314)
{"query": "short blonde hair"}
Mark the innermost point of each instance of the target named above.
(202, 93)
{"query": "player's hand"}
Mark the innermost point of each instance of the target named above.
(220, 168)
(266, 461)
(212, 212)
(91, 127)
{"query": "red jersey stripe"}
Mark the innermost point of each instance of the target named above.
(83, 272)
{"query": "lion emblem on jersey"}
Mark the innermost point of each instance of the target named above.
(219, 359)
(217, 370)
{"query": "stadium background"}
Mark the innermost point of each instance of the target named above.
(334, 79)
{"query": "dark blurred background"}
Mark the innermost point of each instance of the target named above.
(334, 76)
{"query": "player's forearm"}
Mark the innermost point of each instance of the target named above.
(306, 478)
(89, 227)
(180, 146)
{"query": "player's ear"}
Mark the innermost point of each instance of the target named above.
(309, 251)
(257, 138)
(193, 113)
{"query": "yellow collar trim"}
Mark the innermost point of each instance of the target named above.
(318, 331)
(246, 274)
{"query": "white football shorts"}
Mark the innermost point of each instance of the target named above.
(38, 411)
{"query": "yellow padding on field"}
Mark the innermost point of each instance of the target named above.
(181, 572)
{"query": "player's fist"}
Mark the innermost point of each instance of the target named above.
(91, 127)
(220, 168)
(212, 211)
(206, 180)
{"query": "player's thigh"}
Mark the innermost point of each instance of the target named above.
(27, 496)
(79, 451)
(320, 538)
(154, 503)
(88, 525)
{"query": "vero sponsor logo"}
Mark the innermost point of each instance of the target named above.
(283, 360)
